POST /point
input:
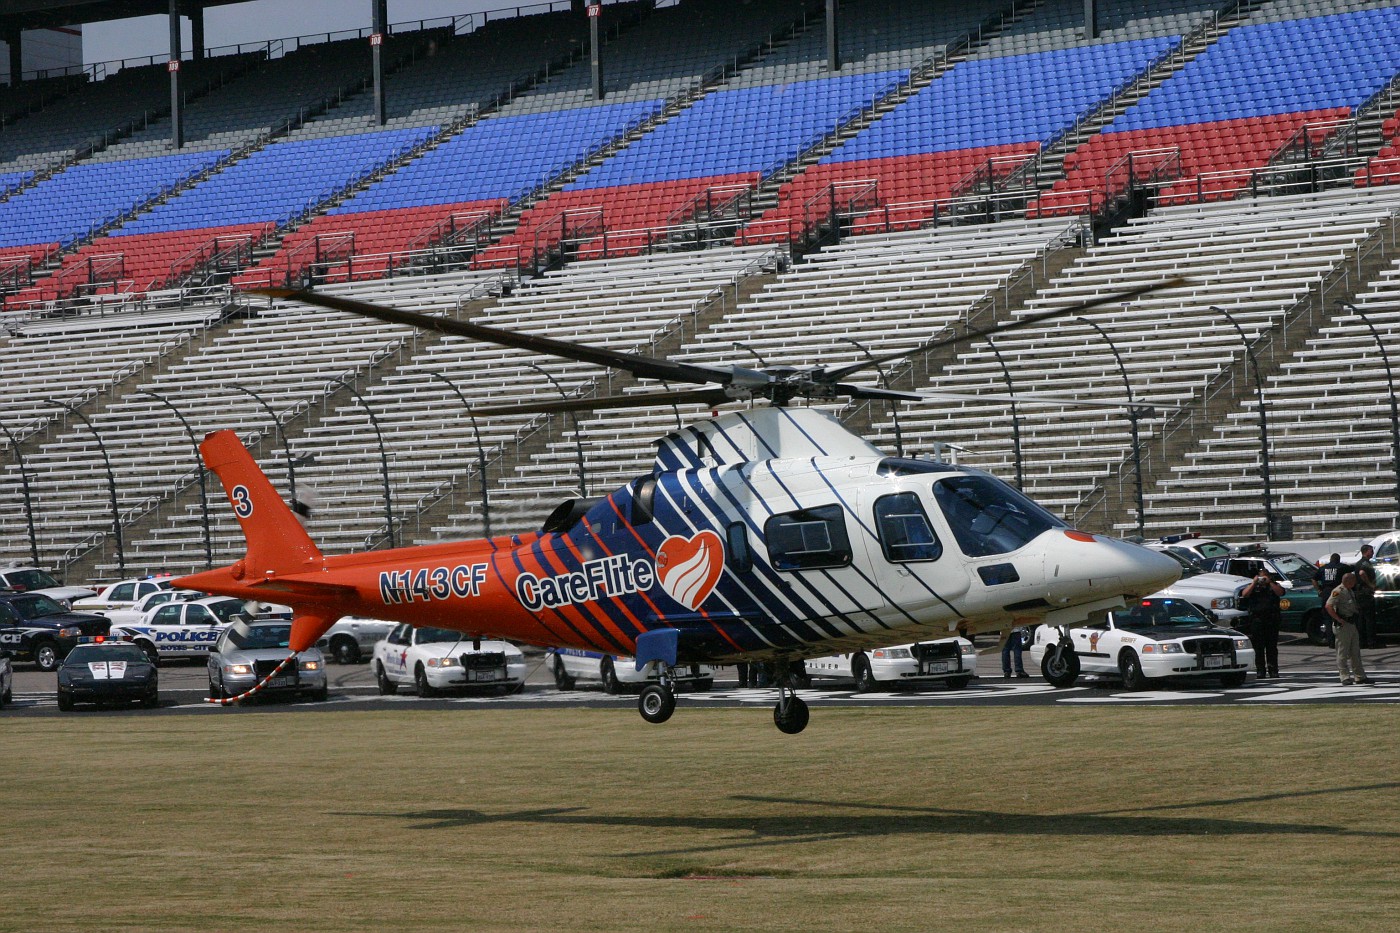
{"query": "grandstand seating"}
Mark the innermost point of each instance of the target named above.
(1234, 107)
(1255, 258)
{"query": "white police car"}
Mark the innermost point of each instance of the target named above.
(618, 672)
(952, 661)
(1156, 637)
(122, 595)
(143, 606)
(353, 638)
(437, 659)
(182, 629)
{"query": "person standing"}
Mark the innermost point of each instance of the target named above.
(1327, 579)
(1366, 598)
(1341, 606)
(1011, 652)
(1261, 597)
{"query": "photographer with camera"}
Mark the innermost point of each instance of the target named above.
(1261, 599)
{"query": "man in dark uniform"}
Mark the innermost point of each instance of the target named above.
(1365, 593)
(1327, 579)
(1261, 598)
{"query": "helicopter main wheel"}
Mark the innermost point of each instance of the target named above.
(656, 704)
(791, 715)
(1060, 666)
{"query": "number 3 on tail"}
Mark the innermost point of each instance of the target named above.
(242, 501)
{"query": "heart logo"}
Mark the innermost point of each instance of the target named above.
(689, 568)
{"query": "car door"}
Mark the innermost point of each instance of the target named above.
(202, 628)
(163, 629)
(1092, 644)
(396, 653)
(11, 626)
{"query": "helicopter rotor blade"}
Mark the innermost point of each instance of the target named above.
(644, 367)
(1027, 321)
(713, 396)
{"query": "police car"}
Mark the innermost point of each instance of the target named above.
(143, 606)
(1218, 592)
(182, 629)
(23, 579)
(353, 638)
(1192, 546)
(123, 594)
(247, 652)
(1156, 637)
(952, 661)
(37, 628)
(618, 672)
(437, 659)
(107, 672)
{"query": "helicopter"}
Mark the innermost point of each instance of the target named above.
(768, 534)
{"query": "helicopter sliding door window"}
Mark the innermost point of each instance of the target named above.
(905, 532)
(736, 549)
(808, 539)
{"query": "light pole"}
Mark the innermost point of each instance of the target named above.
(111, 480)
(286, 448)
(1015, 415)
(480, 451)
(884, 381)
(24, 486)
(578, 432)
(1390, 386)
(199, 465)
(1265, 474)
(1132, 420)
(383, 464)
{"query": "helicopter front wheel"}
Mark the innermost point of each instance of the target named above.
(657, 703)
(1060, 665)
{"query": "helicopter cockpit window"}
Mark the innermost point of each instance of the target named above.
(808, 539)
(989, 517)
(905, 533)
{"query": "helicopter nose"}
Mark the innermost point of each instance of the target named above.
(1139, 570)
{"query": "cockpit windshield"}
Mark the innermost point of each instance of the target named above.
(989, 517)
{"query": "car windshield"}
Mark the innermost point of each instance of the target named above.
(29, 580)
(1189, 568)
(261, 636)
(1156, 613)
(989, 517)
(1298, 571)
(36, 606)
(428, 636)
(226, 609)
(85, 653)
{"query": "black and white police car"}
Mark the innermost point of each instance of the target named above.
(1155, 638)
(37, 628)
(104, 672)
(182, 629)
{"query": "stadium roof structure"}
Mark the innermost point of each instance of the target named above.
(41, 14)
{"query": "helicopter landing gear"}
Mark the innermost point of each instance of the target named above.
(1060, 665)
(791, 714)
(658, 700)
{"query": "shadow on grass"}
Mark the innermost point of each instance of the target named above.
(831, 819)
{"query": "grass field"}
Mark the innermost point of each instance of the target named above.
(874, 819)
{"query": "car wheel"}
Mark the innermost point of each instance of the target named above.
(322, 695)
(420, 680)
(386, 686)
(562, 679)
(150, 700)
(1059, 668)
(151, 654)
(958, 683)
(46, 656)
(1319, 629)
(1131, 668)
(608, 674)
(1233, 679)
(345, 650)
(656, 704)
(216, 692)
(860, 670)
(65, 701)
